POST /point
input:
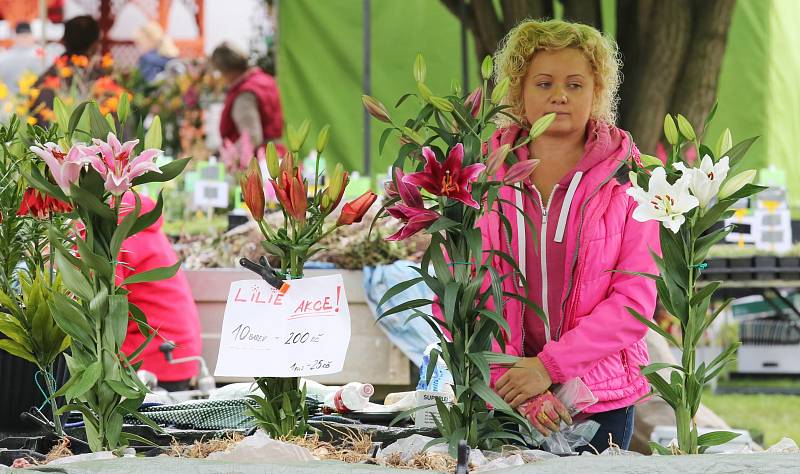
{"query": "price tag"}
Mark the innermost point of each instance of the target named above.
(302, 332)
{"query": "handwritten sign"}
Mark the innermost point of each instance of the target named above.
(302, 332)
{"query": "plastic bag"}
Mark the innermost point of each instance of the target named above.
(576, 397)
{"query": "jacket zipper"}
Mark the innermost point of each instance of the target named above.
(543, 254)
(580, 231)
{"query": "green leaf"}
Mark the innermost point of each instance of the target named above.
(16, 349)
(76, 116)
(451, 295)
(92, 203)
(497, 358)
(489, 396)
(100, 128)
(153, 137)
(441, 223)
(112, 124)
(84, 381)
(273, 249)
(155, 274)
(72, 278)
(144, 419)
(664, 389)
(641, 274)
(123, 108)
(35, 179)
(62, 114)
(440, 266)
(416, 303)
(397, 289)
(658, 449)
(655, 327)
(122, 389)
(649, 369)
(705, 292)
(716, 438)
(168, 173)
(13, 329)
(738, 151)
(100, 265)
(116, 326)
(71, 320)
(482, 364)
(126, 438)
(123, 229)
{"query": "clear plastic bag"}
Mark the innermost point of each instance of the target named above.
(576, 397)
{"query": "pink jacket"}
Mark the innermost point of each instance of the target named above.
(596, 339)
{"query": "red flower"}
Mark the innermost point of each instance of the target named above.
(451, 179)
(412, 211)
(292, 195)
(354, 210)
(51, 82)
(41, 206)
(253, 190)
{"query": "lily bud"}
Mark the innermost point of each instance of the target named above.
(686, 128)
(724, 143)
(425, 92)
(649, 160)
(273, 164)
(335, 190)
(355, 210)
(252, 185)
(287, 164)
(486, 68)
(322, 138)
(496, 159)
(419, 68)
(375, 108)
(442, 104)
(670, 131)
(520, 171)
(542, 124)
(500, 90)
(296, 138)
(633, 177)
(473, 101)
(736, 183)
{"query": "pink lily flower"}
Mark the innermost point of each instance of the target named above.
(113, 161)
(411, 211)
(65, 167)
(450, 179)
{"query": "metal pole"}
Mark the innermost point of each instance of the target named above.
(367, 85)
(462, 13)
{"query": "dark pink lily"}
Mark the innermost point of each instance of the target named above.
(449, 179)
(412, 210)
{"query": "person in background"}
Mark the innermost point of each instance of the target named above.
(167, 304)
(157, 50)
(23, 56)
(80, 40)
(252, 102)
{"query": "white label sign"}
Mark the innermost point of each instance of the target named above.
(300, 333)
(424, 417)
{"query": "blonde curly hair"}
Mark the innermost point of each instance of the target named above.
(529, 36)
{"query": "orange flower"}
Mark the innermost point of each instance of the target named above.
(107, 62)
(47, 115)
(354, 210)
(61, 61)
(79, 60)
(34, 93)
(52, 82)
(65, 72)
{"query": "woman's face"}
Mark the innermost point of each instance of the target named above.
(559, 81)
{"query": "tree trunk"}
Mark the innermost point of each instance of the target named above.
(703, 60)
(672, 51)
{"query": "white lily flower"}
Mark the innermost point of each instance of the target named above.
(704, 182)
(662, 201)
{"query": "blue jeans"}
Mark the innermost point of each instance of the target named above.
(618, 423)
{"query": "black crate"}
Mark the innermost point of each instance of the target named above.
(716, 269)
(766, 268)
(741, 268)
(789, 268)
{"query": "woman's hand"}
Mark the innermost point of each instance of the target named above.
(545, 412)
(526, 379)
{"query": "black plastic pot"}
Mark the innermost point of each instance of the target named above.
(766, 268)
(235, 220)
(18, 390)
(740, 268)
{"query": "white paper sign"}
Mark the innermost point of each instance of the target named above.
(424, 417)
(300, 333)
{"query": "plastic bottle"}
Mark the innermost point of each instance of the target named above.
(353, 396)
(441, 376)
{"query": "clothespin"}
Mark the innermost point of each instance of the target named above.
(266, 272)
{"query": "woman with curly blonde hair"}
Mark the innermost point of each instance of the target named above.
(582, 230)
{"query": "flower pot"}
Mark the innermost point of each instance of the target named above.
(789, 268)
(765, 268)
(740, 268)
(236, 219)
(18, 390)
